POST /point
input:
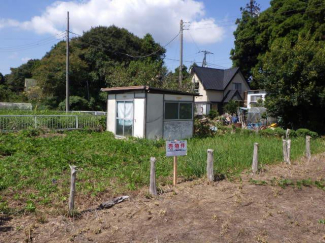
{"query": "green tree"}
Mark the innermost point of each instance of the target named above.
(231, 107)
(16, 79)
(2, 79)
(294, 77)
(246, 50)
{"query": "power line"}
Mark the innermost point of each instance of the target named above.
(177, 60)
(60, 35)
(31, 46)
(129, 55)
(193, 40)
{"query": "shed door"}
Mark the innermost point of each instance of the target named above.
(124, 118)
(139, 108)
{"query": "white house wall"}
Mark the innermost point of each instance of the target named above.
(154, 113)
(111, 109)
(207, 95)
(249, 97)
(139, 119)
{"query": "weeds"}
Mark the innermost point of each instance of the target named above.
(34, 170)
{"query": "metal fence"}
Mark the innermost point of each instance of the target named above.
(49, 122)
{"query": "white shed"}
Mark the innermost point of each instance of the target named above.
(146, 112)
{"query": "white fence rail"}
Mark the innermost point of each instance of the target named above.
(51, 122)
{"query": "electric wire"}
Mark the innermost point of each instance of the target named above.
(137, 57)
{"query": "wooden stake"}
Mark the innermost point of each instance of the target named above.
(210, 173)
(285, 151)
(255, 158)
(288, 151)
(175, 171)
(308, 153)
(153, 188)
(72, 187)
(287, 133)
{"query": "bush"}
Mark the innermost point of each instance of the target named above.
(303, 132)
(224, 130)
(76, 104)
(247, 132)
(277, 132)
(31, 132)
(202, 128)
(212, 114)
(103, 123)
(266, 132)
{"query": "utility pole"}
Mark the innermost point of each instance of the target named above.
(204, 63)
(180, 77)
(67, 68)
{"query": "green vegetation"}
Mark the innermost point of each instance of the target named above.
(101, 57)
(282, 51)
(34, 168)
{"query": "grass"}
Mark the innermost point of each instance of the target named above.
(34, 171)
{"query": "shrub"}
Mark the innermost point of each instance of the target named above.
(212, 114)
(76, 103)
(103, 123)
(266, 132)
(202, 128)
(31, 132)
(224, 130)
(303, 132)
(277, 132)
(231, 107)
(247, 132)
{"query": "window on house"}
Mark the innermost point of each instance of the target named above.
(255, 98)
(196, 87)
(178, 111)
(237, 86)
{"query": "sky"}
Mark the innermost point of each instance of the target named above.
(29, 28)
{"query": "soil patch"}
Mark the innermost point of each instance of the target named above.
(197, 211)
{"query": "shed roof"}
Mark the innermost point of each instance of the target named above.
(147, 89)
(215, 79)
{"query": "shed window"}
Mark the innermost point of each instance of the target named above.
(178, 111)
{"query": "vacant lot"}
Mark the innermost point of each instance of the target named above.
(281, 204)
(35, 174)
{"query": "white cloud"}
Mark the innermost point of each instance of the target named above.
(205, 31)
(158, 17)
(25, 59)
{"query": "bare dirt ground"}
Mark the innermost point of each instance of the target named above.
(196, 211)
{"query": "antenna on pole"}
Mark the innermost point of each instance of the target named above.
(67, 68)
(204, 63)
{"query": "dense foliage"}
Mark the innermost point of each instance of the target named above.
(101, 57)
(282, 50)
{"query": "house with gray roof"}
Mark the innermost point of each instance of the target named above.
(217, 87)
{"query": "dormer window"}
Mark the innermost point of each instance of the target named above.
(237, 86)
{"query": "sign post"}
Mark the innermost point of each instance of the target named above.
(176, 148)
